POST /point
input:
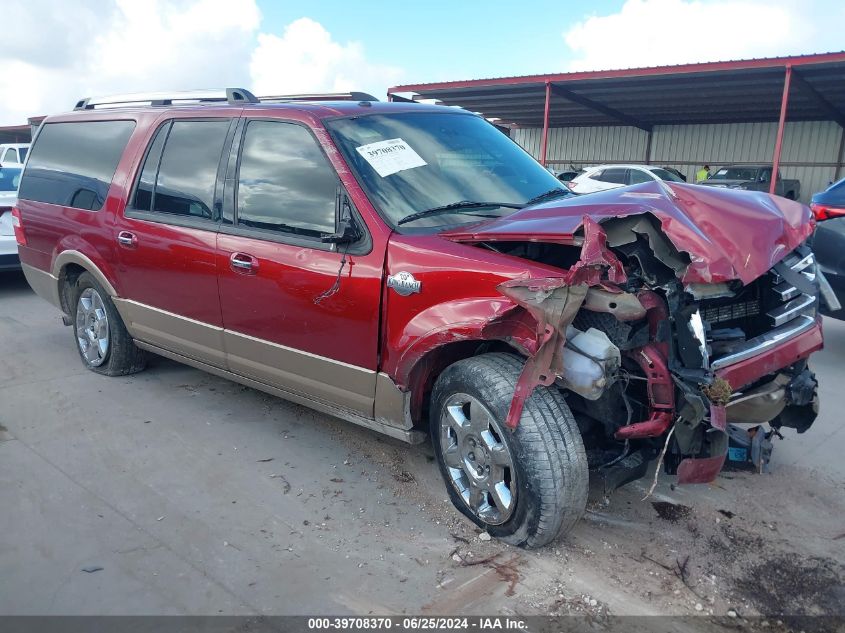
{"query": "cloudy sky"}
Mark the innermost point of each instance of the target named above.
(57, 51)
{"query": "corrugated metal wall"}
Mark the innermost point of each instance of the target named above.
(809, 147)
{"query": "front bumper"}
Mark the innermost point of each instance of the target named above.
(779, 348)
(789, 399)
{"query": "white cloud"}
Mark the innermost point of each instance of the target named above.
(62, 50)
(662, 32)
(306, 59)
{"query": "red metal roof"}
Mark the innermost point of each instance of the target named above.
(710, 92)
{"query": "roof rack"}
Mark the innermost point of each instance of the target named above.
(325, 96)
(232, 96)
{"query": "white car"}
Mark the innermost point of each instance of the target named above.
(603, 177)
(13, 154)
(10, 177)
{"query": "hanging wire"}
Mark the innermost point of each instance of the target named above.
(336, 285)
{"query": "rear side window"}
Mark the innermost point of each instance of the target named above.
(180, 170)
(11, 156)
(285, 183)
(72, 164)
(22, 151)
(614, 174)
(635, 177)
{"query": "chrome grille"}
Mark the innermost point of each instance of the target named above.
(768, 312)
(732, 311)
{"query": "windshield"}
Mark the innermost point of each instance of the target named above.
(735, 173)
(410, 162)
(10, 178)
(666, 175)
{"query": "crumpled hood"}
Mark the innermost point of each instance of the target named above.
(727, 234)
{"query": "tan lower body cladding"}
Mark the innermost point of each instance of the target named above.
(362, 396)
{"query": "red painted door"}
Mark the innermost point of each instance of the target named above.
(167, 241)
(296, 315)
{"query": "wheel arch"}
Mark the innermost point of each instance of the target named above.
(428, 367)
(67, 267)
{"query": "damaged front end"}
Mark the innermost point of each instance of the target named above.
(665, 341)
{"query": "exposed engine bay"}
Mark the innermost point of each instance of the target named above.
(653, 364)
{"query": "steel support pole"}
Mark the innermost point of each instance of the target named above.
(840, 156)
(784, 103)
(544, 142)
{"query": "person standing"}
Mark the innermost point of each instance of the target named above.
(702, 174)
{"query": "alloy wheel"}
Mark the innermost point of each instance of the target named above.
(92, 327)
(478, 461)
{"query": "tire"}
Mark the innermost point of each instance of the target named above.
(100, 337)
(548, 480)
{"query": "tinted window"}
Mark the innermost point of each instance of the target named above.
(188, 170)
(146, 183)
(635, 177)
(72, 164)
(614, 175)
(285, 183)
(22, 151)
(735, 173)
(666, 175)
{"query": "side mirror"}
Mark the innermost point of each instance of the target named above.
(347, 231)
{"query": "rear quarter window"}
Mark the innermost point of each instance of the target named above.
(72, 164)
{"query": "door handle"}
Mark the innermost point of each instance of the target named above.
(243, 263)
(127, 239)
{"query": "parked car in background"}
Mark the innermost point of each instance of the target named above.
(753, 178)
(569, 174)
(679, 174)
(9, 180)
(12, 154)
(829, 241)
(438, 282)
(604, 177)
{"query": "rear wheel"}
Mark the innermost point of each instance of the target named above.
(524, 486)
(102, 340)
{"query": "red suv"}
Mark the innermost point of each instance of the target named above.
(410, 269)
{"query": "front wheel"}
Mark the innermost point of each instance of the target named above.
(525, 486)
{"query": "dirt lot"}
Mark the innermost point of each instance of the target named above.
(195, 495)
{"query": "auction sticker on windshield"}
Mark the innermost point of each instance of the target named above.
(391, 156)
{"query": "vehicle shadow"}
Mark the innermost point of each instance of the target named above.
(13, 285)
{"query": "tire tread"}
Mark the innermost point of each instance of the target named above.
(552, 452)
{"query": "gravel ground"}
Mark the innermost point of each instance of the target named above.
(194, 495)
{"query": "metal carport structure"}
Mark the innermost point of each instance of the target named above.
(783, 89)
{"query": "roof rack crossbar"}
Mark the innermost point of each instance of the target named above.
(326, 96)
(232, 96)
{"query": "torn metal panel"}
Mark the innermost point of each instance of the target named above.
(553, 304)
(702, 470)
(622, 305)
(597, 263)
(661, 395)
(626, 231)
